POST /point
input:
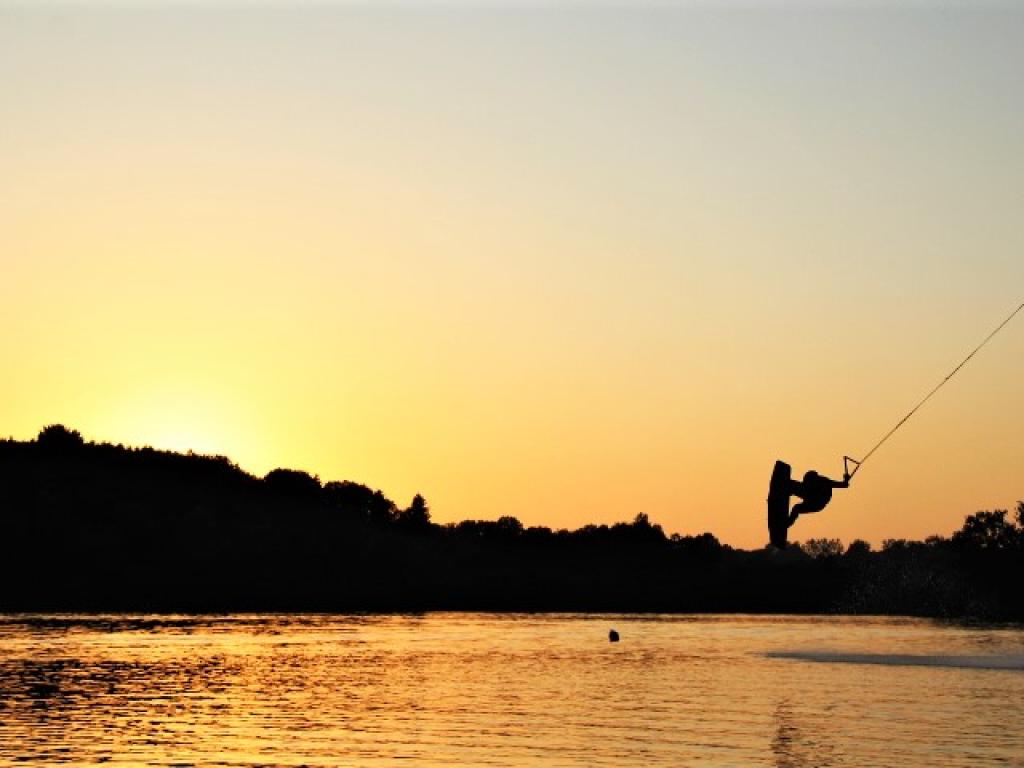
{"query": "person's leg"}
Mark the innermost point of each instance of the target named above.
(778, 514)
(798, 509)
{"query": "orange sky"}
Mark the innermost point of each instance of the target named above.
(564, 262)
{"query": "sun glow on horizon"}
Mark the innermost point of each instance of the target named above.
(175, 420)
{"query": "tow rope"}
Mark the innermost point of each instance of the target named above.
(849, 460)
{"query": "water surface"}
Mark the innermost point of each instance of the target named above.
(509, 690)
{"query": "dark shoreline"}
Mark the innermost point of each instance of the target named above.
(89, 527)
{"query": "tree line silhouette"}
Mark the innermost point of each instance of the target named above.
(95, 526)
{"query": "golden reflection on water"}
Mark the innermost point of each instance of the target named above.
(476, 689)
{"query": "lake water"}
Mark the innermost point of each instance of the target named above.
(509, 690)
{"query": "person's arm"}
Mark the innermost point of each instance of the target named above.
(845, 483)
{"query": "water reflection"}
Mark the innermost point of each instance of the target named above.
(803, 739)
(461, 690)
(786, 744)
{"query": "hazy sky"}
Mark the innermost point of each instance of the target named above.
(567, 262)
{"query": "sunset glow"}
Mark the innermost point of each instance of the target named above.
(567, 263)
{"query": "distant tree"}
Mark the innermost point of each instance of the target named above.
(382, 510)
(823, 548)
(640, 531)
(795, 550)
(592, 532)
(358, 501)
(346, 496)
(508, 526)
(858, 548)
(501, 531)
(416, 516)
(703, 545)
(292, 482)
(470, 529)
(988, 530)
(59, 439)
(538, 534)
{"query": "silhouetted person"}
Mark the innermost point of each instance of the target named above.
(613, 636)
(815, 492)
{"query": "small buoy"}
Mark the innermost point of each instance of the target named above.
(613, 636)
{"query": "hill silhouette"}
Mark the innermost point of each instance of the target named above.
(101, 527)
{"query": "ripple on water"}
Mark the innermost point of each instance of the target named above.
(478, 689)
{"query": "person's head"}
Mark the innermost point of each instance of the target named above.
(810, 476)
